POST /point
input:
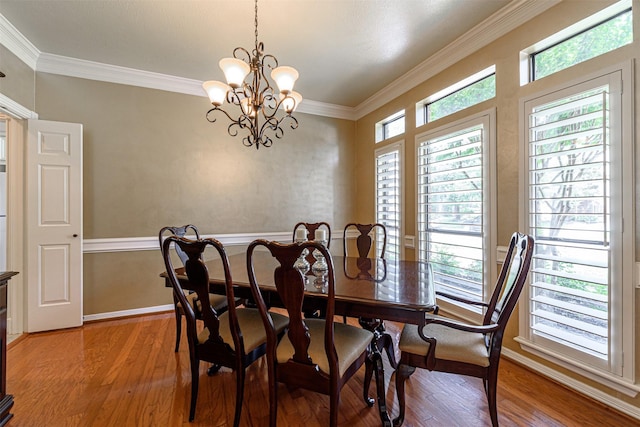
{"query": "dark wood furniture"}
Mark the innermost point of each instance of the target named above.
(451, 346)
(365, 246)
(235, 338)
(316, 354)
(364, 242)
(219, 302)
(401, 291)
(6, 400)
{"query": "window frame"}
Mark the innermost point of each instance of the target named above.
(382, 126)
(526, 65)
(421, 106)
(619, 370)
(488, 119)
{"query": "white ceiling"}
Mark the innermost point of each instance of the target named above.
(345, 50)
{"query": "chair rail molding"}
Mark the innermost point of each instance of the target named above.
(133, 244)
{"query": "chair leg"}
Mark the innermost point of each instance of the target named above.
(240, 373)
(178, 326)
(334, 402)
(491, 388)
(195, 376)
(402, 373)
(273, 393)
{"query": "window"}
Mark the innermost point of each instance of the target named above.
(465, 93)
(455, 196)
(603, 32)
(581, 272)
(389, 195)
(390, 127)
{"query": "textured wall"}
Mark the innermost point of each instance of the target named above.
(19, 83)
(151, 159)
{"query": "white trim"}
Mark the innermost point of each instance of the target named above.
(18, 44)
(128, 313)
(14, 109)
(506, 19)
(132, 244)
(615, 383)
(66, 66)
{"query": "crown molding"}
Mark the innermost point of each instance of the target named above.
(18, 44)
(14, 109)
(505, 20)
(73, 67)
(328, 110)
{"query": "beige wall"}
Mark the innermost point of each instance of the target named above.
(151, 159)
(19, 81)
(504, 53)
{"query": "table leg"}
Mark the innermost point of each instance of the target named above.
(381, 339)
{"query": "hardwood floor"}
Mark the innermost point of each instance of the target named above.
(124, 373)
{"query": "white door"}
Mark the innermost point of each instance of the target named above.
(54, 225)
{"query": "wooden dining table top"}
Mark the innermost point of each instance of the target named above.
(395, 290)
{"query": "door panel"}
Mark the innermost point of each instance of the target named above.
(54, 225)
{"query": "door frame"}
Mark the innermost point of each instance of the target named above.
(15, 115)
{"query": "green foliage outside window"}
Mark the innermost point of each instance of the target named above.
(466, 97)
(610, 35)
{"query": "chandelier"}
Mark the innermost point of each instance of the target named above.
(249, 89)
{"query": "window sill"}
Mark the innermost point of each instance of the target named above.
(616, 383)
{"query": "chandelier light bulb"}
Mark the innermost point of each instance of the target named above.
(235, 70)
(285, 77)
(217, 91)
(290, 101)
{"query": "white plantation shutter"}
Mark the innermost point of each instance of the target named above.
(578, 203)
(388, 196)
(454, 208)
(569, 215)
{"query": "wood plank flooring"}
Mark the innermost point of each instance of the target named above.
(124, 373)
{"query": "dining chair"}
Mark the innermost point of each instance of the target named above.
(315, 354)
(218, 302)
(235, 338)
(364, 241)
(375, 248)
(448, 345)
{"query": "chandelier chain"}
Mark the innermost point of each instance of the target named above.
(256, 21)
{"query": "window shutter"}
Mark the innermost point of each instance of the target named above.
(388, 188)
(451, 210)
(569, 215)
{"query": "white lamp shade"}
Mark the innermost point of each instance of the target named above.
(290, 101)
(285, 77)
(217, 91)
(235, 70)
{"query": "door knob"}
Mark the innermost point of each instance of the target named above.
(75, 235)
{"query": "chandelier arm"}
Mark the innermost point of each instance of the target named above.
(216, 108)
(242, 52)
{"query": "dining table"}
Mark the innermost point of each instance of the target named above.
(383, 289)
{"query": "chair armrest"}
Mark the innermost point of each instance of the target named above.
(444, 321)
(460, 299)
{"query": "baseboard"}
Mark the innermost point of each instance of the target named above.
(127, 313)
(574, 384)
